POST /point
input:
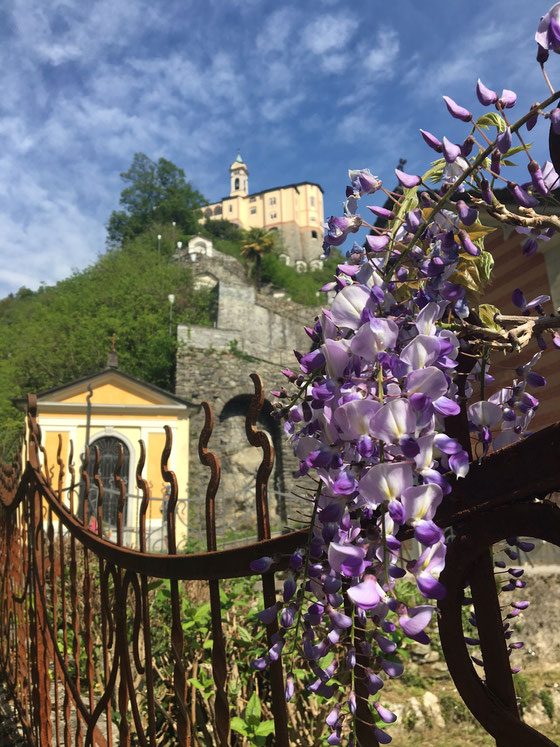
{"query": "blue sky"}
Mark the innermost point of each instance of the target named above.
(306, 89)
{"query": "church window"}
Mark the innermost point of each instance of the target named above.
(272, 201)
(313, 234)
(272, 216)
(253, 210)
(312, 201)
(237, 183)
(252, 199)
(231, 208)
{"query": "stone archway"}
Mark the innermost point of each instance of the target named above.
(241, 461)
(222, 379)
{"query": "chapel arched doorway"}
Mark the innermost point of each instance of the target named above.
(108, 455)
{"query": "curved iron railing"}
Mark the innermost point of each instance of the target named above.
(57, 576)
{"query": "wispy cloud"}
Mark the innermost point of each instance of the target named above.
(328, 39)
(380, 60)
(328, 33)
(277, 31)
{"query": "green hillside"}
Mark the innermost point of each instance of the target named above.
(63, 332)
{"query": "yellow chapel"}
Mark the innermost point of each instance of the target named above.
(111, 409)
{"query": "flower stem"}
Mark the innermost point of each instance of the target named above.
(301, 593)
(483, 363)
(548, 83)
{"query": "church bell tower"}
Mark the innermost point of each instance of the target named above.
(239, 178)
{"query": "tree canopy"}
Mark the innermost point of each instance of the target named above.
(156, 193)
(255, 244)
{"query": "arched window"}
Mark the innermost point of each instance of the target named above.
(108, 455)
(208, 212)
(237, 183)
(218, 210)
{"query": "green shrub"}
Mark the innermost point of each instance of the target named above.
(523, 691)
(547, 703)
(453, 710)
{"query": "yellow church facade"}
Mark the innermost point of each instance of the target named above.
(108, 410)
(294, 210)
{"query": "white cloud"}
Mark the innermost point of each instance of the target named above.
(458, 65)
(329, 33)
(277, 31)
(335, 63)
(380, 60)
(61, 31)
(53, 240)
(275, 108)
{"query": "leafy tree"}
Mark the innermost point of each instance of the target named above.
(300, 287)
(220, 228)
(156, 193)
(256, 243)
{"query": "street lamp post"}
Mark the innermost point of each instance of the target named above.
(171, 299)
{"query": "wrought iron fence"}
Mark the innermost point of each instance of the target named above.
(76, 630)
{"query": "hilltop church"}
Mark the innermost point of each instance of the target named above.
(294, 210)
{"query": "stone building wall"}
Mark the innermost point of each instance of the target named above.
(222, 379)
(261, 326)
(253, 333)
(299, 243)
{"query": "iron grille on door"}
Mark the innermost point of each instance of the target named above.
(108, 454)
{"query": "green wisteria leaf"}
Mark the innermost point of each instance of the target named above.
(487, 312)
(486, 265)
(265, 728)
(253, 710)
(238, 725)
(492, 119)
(516, 149)
(436, 172)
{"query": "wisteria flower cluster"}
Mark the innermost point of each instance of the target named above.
(372, 402)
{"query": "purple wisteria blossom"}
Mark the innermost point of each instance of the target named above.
(363, 182)
(371, 415)
(548, 32)
(485, 95)
(456, 111)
